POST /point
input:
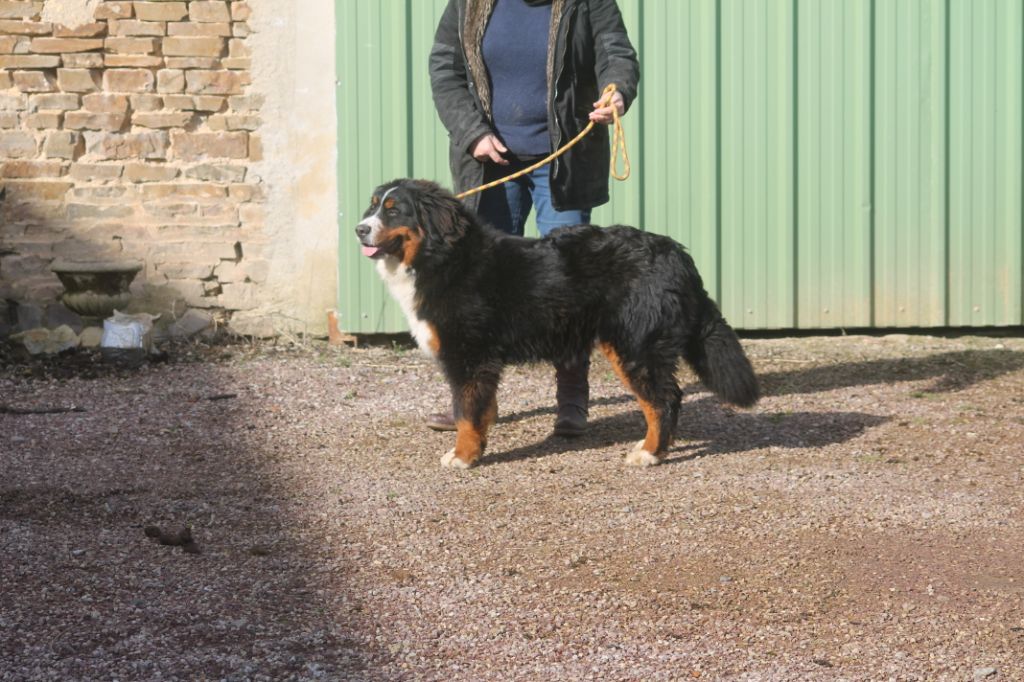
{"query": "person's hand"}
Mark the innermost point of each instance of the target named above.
(489, 148)
(603, 114)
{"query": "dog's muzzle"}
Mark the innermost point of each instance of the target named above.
(365, 232)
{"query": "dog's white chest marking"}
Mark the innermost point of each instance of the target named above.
(401, 284)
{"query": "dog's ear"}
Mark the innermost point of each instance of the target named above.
(439, 213)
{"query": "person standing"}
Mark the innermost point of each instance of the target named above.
(513, 80)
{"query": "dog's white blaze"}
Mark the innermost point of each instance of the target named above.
(374, 222)
(401, 284)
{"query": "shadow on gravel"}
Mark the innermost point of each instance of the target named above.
(88, 592)
(705, 428)
(949, 371)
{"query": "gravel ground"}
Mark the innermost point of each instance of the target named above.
(864, 522)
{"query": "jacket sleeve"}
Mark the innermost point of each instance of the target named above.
(616, 58)
(449, 83)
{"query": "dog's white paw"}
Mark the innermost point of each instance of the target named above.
(450, 460)
(639, 457)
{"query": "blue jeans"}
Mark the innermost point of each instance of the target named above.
(507, 206)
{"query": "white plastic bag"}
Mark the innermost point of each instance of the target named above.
(129, 334)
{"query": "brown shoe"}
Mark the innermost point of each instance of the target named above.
(441, 421)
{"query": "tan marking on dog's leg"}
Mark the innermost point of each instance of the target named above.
(646, 451)
(469, 444)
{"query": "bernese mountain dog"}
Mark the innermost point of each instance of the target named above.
(478, 299)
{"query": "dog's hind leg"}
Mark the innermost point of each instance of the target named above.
(476, 410)
(659, 396)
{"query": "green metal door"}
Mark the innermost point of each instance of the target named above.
(829, 163)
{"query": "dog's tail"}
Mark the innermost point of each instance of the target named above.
(717, 357)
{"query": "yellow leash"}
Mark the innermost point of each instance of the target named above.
(618, 146)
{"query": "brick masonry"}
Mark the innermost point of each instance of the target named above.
(132, 137)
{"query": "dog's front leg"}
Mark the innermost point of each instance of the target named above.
(476, 409)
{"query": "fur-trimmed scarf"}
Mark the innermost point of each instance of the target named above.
(478, 13)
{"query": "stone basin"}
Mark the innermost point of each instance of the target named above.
(94, 289)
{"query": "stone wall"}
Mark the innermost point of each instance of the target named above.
(130, 130)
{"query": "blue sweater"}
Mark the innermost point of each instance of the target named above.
(515, 50)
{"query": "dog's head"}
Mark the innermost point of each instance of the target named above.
(406, 218)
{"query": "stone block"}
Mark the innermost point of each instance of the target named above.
(20, 10)
(222, 173)
(113, 10)
(240, 29)
(216, 82)
(202, 146)
(78, 80)
(188, 28)
(25, 28)
(149, 145)
(163, 119)
(133, 61)
(79, 212)
(18, 144)
(134, 27)
(190, 251)
(206, 11)
(84, 120)
(37, 190)
(149, 172)
(29, 61)
(237, 64)
(7, 44)
(34, 81)
(8, 119)
(62, 144)
(128, 80)
(178, 212)
(170, 80)
(161, 11)
(90, 30)
(104, 103)
(45, 120)
(181, 190)
(5, 80)
(83, 60)
(191, 323)
(192, 63)
(242, 122)
(13, 102)
(31, 169)
(209, 103)
(183, 46)
(55, 102)
(146, 102)
(131, 45)
(245, 104)
(96, 172)
(179, 102)
(62, 45)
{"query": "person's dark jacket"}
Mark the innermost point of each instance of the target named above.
(588, 49)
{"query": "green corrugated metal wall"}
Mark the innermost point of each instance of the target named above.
(829, 163)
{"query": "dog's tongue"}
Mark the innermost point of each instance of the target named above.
(370, 251)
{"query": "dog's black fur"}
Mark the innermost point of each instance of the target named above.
(481, 299)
